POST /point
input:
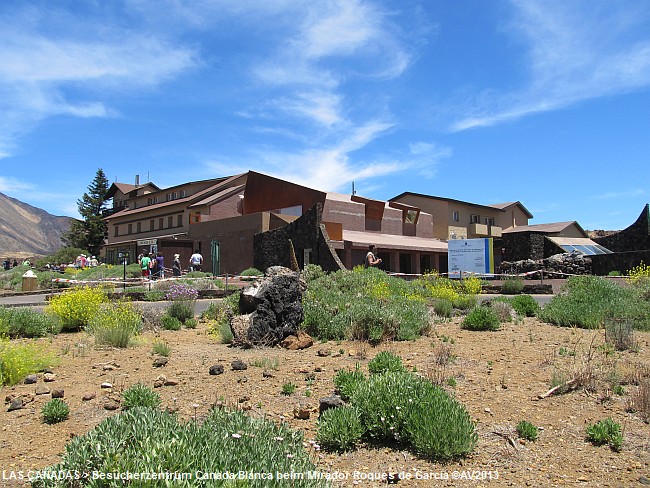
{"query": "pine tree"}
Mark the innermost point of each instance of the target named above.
(89, 233)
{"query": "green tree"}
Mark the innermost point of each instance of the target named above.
(89, 232)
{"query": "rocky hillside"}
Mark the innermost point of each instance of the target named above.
(27, 231)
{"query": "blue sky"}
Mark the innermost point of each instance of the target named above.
(542, 102)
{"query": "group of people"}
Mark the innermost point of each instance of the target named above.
(7, 264)
(154, 266)
(83, 261)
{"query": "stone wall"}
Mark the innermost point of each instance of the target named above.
(634, 238)
(603, 264)
(523, 245)
(306, 233)
(566, 263)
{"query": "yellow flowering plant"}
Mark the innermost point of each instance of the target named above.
(76, 307)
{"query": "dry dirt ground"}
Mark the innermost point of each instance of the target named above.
(499, 376)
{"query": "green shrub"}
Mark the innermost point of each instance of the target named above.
(385, 361)
(346, 381)
(443, 308)
(19, 360)
(525, 305)
(161, 348)
(152, 441)
(288, 388)
(365, 305)
(340, 429)
(481, 318)
(170, 323)
(503, 310)
(251, 272)
(55, 411)
(587, 301)
(191, 323)
(25, 322)
(75, 308)
(465, 302)
(154, 296)
(140, 395)
(115, 324)
(526, 430)
(606, 432)
(620, 334)
(312, 272)
(512, 286)
(405, 407)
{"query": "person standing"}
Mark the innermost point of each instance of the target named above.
(196, 261)
(176, 265)
(371, 260)
(144, 265)
(160, 265)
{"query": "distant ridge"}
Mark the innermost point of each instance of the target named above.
(27, 231)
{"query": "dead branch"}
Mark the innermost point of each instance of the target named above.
(567, 385)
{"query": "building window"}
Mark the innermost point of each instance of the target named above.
(411, 216)
(149, 201)
(179, 220)
(130, 231)
(182, 193)
(160, 223)
(151, 223)
(170, 222)
(454, 216)
(155, 200)
(474, 219)
(174, 196)
(117, 231)
(489, 220)
(195, 218)
(139, 227)
(169, 196)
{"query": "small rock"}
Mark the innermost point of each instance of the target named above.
(216, 369)
(243, 379)
(105, 385)
(318, 369)
(244, 399)
(247, 407)
(49, 377)
(109, 367)
(160, 381)
(301, 340)
(171, 382)
(111, 405)
(160, 362)
(267, 374)
(42, 390)
(88, 396)
(301, 412)
(16, 404)
(644, 481)
(310, 376)
(329, 402)
(31, 379)
(59, 393)
(238, 365)
(323, 353)
(352, 352)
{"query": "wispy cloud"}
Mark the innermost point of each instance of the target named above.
(68, 73)
(577, 50)
(611, 195)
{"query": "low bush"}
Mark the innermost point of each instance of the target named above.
(115, 324)
(528, 431)
(525, 305)
(587, 301)
(481, 318)
(161, 348)
(385, 361)
(170, 323)
(465, 302)
(152, 441)
(288, 388)
(55, 411)
(312, 272)
(140, 395)
(76, 307)
(251, 272)
(19, 360)
(512, 286)
(340, 429)
(503, 310)
(620, 334)
(606, 432)
(346, 381)
(443, 308)
(183, 300)
(25, 322)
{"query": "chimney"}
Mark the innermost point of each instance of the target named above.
(137, 180)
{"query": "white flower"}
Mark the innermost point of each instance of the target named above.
(236, 436)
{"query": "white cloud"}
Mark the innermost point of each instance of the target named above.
(577, 51)
(13, 185)
(611, 195)
(42, 74)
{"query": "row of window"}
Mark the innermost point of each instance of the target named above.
(473, 218)
(152, 227)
